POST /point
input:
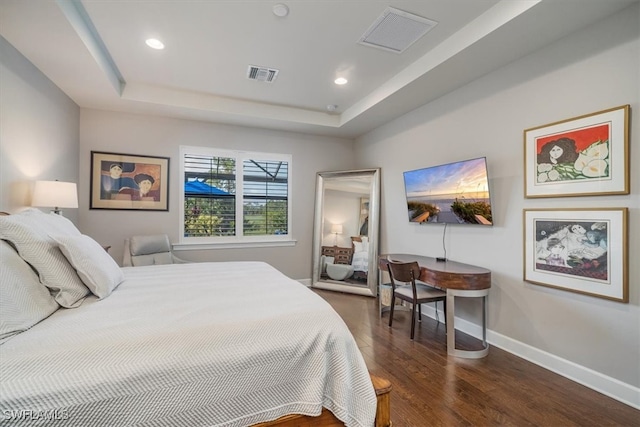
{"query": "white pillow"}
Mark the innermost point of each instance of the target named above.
(98, 271)
(365, 243)
(24, 301)
(29, 232)
(60, 224)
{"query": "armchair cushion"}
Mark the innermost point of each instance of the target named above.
(151, 259)
(149, 250)
(146, 245)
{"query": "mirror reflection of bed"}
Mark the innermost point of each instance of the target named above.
(345, 234)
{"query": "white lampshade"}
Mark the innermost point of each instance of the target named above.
(55, 194)
(336, 228)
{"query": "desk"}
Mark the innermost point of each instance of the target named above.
(459, 280)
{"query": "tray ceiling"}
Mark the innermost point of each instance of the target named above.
(95, 52)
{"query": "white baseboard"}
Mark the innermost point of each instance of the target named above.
(306, 282)
(616, 389)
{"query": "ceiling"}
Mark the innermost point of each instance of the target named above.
(95, 51)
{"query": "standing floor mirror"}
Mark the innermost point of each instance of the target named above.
(345, 233)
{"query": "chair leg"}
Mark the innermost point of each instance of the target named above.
(393, 304)
(419, 312)
(444, 303)
(413, 320)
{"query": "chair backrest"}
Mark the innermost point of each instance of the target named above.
(147, 250)
(407, 272)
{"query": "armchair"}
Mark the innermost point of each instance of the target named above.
(149, 250)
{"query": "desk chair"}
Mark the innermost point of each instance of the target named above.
(149, 250)
(416, 294)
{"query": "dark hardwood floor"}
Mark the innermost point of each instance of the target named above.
(433, 389)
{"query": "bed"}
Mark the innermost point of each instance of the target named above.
(197, 344)
(360, 259)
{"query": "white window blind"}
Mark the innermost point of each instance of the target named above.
(230, 196)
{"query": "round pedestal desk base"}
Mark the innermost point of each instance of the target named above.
(451, 331)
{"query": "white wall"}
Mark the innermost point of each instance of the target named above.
(157, 136)
(592, 70)
(38, 132)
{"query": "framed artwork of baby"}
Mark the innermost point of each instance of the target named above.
(579, 250)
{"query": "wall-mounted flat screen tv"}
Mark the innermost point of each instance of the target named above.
(453, 193)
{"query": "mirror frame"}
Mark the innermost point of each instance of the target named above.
(371, 289)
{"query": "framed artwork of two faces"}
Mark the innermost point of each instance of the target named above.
(129, 182)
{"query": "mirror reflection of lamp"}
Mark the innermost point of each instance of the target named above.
(336, 229)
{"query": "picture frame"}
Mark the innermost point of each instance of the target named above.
(578, 250)
(129, 182)
(581, 156)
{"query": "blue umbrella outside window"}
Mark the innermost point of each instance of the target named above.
(202, 189)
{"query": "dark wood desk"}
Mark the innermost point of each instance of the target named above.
(459, 280)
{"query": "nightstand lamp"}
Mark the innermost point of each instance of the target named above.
(55, 194)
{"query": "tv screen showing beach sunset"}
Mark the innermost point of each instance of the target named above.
(455, 193)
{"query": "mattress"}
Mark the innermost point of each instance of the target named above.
(202, 344)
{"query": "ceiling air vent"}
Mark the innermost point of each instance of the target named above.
(396, 30)
(262, 74)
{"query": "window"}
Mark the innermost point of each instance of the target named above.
(233, 196)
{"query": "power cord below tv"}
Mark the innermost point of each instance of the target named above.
(444, 247)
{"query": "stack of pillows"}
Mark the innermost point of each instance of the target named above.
(362, 245)
(46, 263)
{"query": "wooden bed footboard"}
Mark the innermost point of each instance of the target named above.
(327, 419)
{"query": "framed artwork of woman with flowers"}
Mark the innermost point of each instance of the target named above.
(581, 156)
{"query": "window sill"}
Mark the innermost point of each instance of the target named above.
(232, 245)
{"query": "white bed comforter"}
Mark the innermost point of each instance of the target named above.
(360, 261)
(204, 344)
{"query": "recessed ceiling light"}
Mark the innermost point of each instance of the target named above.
(332, 108)
(280, 10)
(154, 44)
(340, 81)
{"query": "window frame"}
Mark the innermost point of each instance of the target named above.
(239, 240)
